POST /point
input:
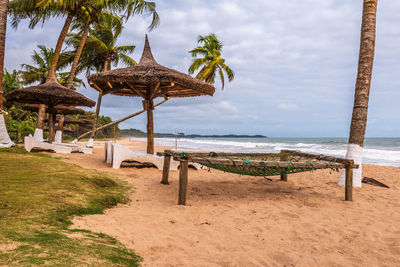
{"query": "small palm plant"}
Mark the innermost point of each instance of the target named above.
(210, 61)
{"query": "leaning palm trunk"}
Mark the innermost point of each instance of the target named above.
(361, 96)
(118, 121)
(71, 77)
(5, 140)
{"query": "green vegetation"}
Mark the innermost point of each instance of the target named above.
(40, 194)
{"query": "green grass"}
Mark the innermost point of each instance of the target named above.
(38, 197)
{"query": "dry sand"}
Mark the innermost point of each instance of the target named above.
(233, 220)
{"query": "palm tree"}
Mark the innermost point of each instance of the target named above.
(38, 72)
(11, 81)
(101, 51)
(40, 10)
(361, 95)
(5, 140)
(210, 62)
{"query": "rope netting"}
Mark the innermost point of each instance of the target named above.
(248, 169)
(273, 168)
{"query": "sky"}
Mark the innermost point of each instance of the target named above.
(295, 66)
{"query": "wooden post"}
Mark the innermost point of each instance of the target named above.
(150, 126)
(284, 177)
(52, 119)
(165, 174)
(349, 183)
(183, 181)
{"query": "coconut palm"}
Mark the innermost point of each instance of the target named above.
(362, 89)
(38, 72)
(11, 81)
(210, 63)
(40, 10)
(5, 140)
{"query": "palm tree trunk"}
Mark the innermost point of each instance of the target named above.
(57, 51)
(77, 56)
(5, 140)
(361, 95)
(3, 28)
(52, 75)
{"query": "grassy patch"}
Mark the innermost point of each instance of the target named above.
(39, 195)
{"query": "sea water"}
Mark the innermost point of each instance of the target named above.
(381, 151)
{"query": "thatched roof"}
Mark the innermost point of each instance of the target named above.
(65, 110)
(51, 94)
(148, 74)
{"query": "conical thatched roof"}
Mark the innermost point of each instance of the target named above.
(51, 94)
(149, 79)
(60, 109)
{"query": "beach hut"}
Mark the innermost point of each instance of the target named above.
(148, 80)
(50, 94)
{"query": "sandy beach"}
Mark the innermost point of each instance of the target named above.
(233, 220)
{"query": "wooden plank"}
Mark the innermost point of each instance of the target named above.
(183, 182)
(166, 166)
(349, 184)
(284, 177)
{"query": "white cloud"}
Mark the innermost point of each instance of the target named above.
(288, 107)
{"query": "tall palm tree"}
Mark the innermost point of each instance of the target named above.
(5, 140)
(101, 51)
(362, 89)
(40, 10)
(210, 62)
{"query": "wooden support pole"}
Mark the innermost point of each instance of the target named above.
(52, 119)
(61, 123)
(165, 174)
(349, 183)
(183, 182)
(284, 177)
(97, 114)
(150, 126)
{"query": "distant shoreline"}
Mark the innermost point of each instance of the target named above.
(139, 133)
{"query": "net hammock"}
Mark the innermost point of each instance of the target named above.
(257, 164)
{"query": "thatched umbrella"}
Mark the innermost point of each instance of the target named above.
(50, 94)
(148, 80)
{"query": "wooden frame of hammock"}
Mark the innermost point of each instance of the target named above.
(226, 159)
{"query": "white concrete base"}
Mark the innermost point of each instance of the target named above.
(90, 142)
(62, 148)
(5, 140)
(354, 152)
(38, 135)
(115, 154)
(58, 137)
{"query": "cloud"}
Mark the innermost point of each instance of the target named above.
(285, 54)
(288, 107)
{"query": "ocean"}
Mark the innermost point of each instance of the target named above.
(380, 151)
